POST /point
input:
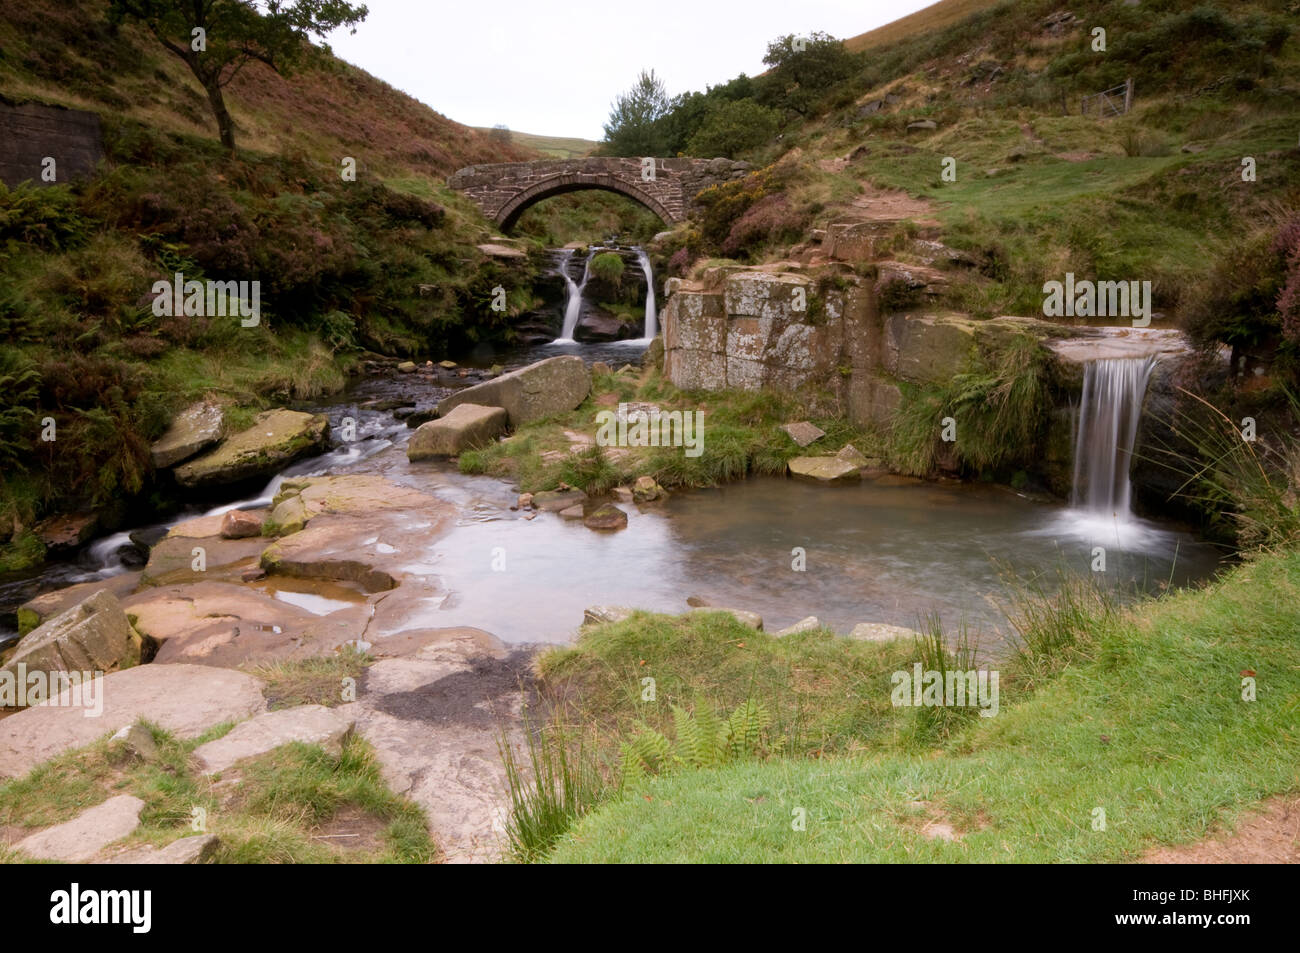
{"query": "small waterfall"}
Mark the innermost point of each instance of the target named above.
(573, 298)
(651, 318)
(1113, 390)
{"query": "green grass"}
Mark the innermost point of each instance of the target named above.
(824, 693)
(310, 681)
(276, 814)
(741, 436)
(1146, 723)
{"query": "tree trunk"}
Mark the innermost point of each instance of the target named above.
(225, 125)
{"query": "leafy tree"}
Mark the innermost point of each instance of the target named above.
(732, 127)
(635, 127)
(217, 38)
(804, 68)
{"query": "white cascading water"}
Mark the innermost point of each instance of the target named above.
(651, 318)
(1113, 390)
(573, 299)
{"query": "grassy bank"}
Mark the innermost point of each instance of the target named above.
(1143, 718)
(742, 436)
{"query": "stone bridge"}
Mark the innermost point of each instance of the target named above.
(503, 190)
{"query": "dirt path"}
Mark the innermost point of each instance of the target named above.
(1271, 836)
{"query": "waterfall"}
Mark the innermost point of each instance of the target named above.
(1113, 389)
(573, 298)
(651, 318)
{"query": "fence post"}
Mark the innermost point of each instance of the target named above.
(1128, 94)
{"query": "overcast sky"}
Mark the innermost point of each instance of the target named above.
(553, 66)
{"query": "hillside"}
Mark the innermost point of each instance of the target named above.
(934, 17)
(387, 263)
(558, 146)
(66, 53)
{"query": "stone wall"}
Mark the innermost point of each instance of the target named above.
(744, 329)
(503, 190)
(29, 132)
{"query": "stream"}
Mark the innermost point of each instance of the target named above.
(889, 550)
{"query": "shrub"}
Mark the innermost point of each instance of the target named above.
(769, 220)
(608, 266)
(732, 127)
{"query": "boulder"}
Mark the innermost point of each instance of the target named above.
(47, 605)
(309, 724)
(880, 632)
(406, 367)
(743, 616)
(852, 455)
(803, 625)
(92, 636)
(555, 385)
(185, 700)
(466, 427)
(646, 490)
(194, 849)
(607, 516)
(78, 840)
(137, 743)
(803, 433)
(574, 512)
(240, 524)
(276, 438)
(823, 469)
(600, 326)
(553, 501)
(290, 515)
(600, 615)
(66, 532)
(195, 428)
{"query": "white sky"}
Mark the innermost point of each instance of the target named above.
(553, 66)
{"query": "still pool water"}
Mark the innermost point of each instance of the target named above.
(893, 551)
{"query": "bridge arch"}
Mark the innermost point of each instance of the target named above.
(504, 190)
(577, 182)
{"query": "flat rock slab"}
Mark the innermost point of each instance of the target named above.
(173, 558)
(803, 433)
(555, 385)
(186, 700)
(92, 636)
(276, 438)
(375, 551)
(310, 724)
(195, 428)
(823, 469)
(466, 427)
(880, 632)
(434, 720)
(196, 849)
(227, 625)
(49, 604)
(81, 838)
